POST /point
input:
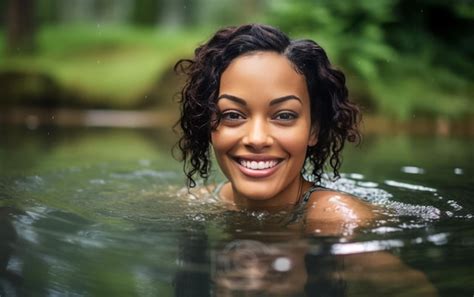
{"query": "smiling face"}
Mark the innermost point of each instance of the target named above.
(265, 129)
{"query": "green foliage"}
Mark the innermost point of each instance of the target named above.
(2, 45)
(402, 58)
(109, 66)
(46, 11)
(145, 11)
(399, 62)
(349, 31)
(413, 87)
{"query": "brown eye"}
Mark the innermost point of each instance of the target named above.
(286, 116)
(232, 116)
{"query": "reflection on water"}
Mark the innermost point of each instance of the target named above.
(104, 212)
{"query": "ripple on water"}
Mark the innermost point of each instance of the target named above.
(141, 173)
(399, 202)
(385, 230)
(364, 189)
(146, 196)
(364, 247)
(412, 170)
(424, 212)
(143, 193)
(408, 186)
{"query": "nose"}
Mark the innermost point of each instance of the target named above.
(257, 135)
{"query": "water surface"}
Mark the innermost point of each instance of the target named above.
(99, 212)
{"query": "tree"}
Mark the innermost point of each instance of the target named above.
(21, 26)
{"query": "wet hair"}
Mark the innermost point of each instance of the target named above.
(332, 114)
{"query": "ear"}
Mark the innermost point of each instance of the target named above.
(313, 136)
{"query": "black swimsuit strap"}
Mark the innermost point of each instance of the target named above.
(298, 212)
(310, 191)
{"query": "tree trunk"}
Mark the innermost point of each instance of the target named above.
(21, 26)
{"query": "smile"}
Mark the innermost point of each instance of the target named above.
(258, 165)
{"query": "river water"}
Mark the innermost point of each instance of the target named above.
(104, 212)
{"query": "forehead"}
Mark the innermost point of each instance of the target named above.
(267, 74)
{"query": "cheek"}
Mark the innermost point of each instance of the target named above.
(295, 141)
(222, 140)
(295, 144)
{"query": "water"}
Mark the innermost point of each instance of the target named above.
(103, 212)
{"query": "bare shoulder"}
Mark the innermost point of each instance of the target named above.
(332, 212)
(333, 205)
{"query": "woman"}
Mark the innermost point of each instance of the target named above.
(275, 112)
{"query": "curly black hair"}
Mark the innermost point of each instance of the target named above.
(335, 117)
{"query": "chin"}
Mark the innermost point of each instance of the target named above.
(255, 191)
(257, 196)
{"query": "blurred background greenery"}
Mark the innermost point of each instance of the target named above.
(403, 58)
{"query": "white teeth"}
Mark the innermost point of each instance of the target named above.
(254, 165)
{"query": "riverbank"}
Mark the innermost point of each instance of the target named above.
(131, 68)
(34, 118)
(87, 66)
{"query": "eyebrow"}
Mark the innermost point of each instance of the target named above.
(273, 102)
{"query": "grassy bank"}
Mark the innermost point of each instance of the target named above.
(127, 67)
(111, 66)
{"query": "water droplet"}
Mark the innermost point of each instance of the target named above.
(438, 239)
(418, 240)
(368, 184)
(413, 170)
(454, 205)
(356, 176)
(282, 264)
(199, 218)
(383, 230)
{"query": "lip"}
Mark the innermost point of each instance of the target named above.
(257, 158)
(260, 173)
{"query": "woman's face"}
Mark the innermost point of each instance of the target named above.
(265, 128)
